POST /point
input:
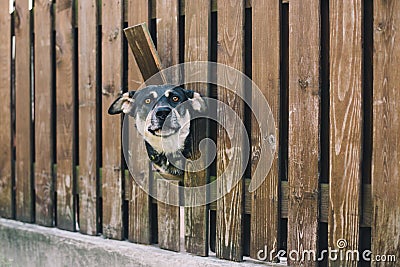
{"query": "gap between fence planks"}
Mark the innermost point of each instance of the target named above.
(44, 95)
(88, 86)
(112, 80)
(197, 36)
(65, 112)
(230, 206)
(23, 113)
(265, 73)
(345, 124)
(304, 127)
(5, 112)
(386, 129)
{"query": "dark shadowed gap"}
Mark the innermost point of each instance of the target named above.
(75, 123)
(53, 112)
(124, 166)
(212, 124)
(181, 39)
(325, 98)
(32, 111)
(323, 242)
(247, 122)
(12, 114)
(284, 92)
(368, 71)
(99, 136)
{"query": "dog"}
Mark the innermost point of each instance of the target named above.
(162, 117)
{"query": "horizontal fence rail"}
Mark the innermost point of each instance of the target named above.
(328, 69)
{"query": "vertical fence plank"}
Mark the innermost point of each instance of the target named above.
(23, 113)
(386, 146)
(265, 73)
(111, 86)
(88, 49)
(44, 186)
(197, 35)
(304, 102)
(139, 202)
(168, 48)
(345, 123)
(5, 113)
(230, 206)
(65, 92)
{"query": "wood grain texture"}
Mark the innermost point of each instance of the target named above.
(304, 105)
(23, 113)
(168, 31)
(111, 87)
(265, 73)
(168, 49)
(229, 207)
(88, 49)
(5, 112)
(65, 124)
(386, 129)
(139, 201)
(197, 35)
(44, 184)
(345, 123)
(168, 215)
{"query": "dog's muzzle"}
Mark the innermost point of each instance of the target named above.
(159, 117)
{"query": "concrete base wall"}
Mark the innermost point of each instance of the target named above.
(31, 245)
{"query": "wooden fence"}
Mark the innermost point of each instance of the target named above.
(329, 70)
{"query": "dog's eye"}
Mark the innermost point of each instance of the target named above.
(147, 101)
(175, 98)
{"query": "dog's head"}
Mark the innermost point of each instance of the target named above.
(161, 112)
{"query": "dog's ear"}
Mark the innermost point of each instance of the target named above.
(124, 103)
(198, 102)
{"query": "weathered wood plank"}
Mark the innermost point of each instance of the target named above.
(23, 113)
(386, 129)
(44, 184)
(111, 87)
(345, 123)
(145, 53)
(229, 207)
(304, 127)
(197, 35)
(88, 49)
(65, 124)
(5, 113)
(168, 49)
(168, 215)
(265, 73)
(139, 201)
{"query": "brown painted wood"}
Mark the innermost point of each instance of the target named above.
(111, 87)
(168, 215)
(44, 185)
(229, 207)
(386, 129)
(23, 113)
(345, 123)
(65, 91)
(88, 49)
(168, 49)
(304, 106)
(5, 113)
(197, 35)
(265, 73)
(139, 201)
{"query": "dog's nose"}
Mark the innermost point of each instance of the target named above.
(162, 113)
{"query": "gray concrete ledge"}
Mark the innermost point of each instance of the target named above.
(32, 245)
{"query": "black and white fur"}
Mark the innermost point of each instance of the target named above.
(162, 121)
